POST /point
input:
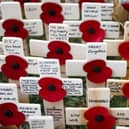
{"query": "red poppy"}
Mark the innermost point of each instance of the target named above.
(91, 31)
(99, 118)
(51, 13)
(25, 1)
(9, 115)
(125, 90)
(98, 1)
(124, 50)
(14, 67)
(59, 50)
(52, 89)
(14, 28)
(97, 71)
(126, 5)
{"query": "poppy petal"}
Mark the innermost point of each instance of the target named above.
(20, 30)
(21, 34)
(62, 58)
(65, 57)
(100, 77)
(16, 59)
(13, 120)
(98, 36)
(13, 74)
(125, 90)
(9, 22)
(53, 45)
(95, 63)
(52, 97)
(10, 106)
(124, 50)
(126, 5)
(108, 123)
(47, 6)
(44, 82)
(92, 112)
(51, 19)
(17, 118)
(84, 26)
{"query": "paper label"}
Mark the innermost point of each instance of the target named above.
(73, 87)
(74, 31)
(8, 93)
(121, 115)
(106, 11)
(112, 29)
(55, 109)
(11, 10)
(49, 67)
(33, 65)
(30, 109)
(41, 122)
(71, 11)
(29, 85)
(34, 27)
(115, 87)
(98, 96)
(96, 51)
(75, 116)
(91, 11)
(58, 32)
(32, 10)
(13, 46)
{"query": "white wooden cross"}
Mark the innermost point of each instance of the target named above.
(75, 116)
(73, 87)
(9, 94)
(75, 68)
(97, 97)
(112, 29)
(40, 48)
(69, 10)
(97, 11)
(33, 26)
(11, 10)
(33, 65)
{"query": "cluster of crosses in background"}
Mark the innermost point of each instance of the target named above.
(51, 51)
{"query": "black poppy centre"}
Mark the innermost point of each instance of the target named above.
(51, 87)
(91, 30)
(96, 69)
(14, 28)
(59, 51)
(26, 0)
(15, 66)
(52, 12)
(99, 118)
(8, 113)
